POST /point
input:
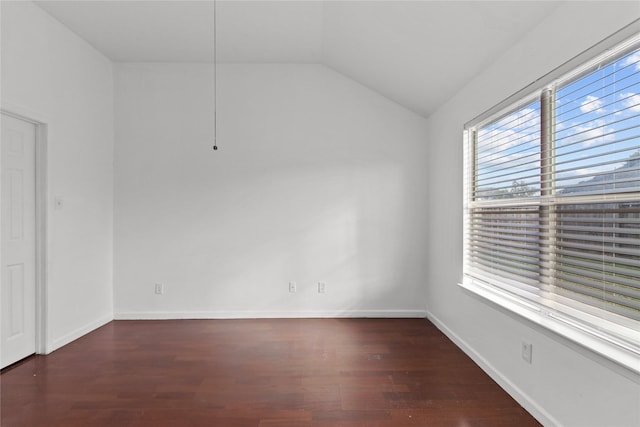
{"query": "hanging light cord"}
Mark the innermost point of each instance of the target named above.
(215, 78)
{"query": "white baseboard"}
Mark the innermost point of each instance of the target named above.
(74, 335)
(157, 315)
(514, 391)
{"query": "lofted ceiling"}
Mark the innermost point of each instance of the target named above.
(416, 53)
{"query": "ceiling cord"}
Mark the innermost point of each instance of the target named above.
(215, 83)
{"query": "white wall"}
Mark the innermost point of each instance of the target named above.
(51, 75)
(566, 384)
(317, 179)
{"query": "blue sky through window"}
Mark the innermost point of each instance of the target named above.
(597, 138)
(598, 128)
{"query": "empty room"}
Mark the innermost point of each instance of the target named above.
(320, 213)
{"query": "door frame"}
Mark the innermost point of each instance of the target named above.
(41, 275)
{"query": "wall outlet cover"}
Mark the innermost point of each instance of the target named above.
(527, 350)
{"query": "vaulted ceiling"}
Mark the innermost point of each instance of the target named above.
(416, 53)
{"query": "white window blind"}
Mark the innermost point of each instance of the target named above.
(597, 156)
(552, 194)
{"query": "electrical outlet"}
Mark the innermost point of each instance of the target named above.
(292, 287)
(159, 289)
(527, 350)
(322, 287)
(58, 203)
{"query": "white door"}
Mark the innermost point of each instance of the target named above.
(18, 215)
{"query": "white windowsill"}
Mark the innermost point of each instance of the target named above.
(625, 352)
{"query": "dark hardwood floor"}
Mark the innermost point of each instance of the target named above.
(267, 373)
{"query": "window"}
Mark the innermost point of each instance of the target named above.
(552, 205)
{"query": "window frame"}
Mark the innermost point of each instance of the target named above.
(613, 336)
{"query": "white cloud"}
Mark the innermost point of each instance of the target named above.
(591, 171)
(523, 160)
(591, 103)
(594, 132)
(633, 59)
(519, 120)
(631, 101)
(521, 127)
(577, 176)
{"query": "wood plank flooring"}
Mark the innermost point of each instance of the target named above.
(259, 373)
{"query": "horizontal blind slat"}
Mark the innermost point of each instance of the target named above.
(586, 247)
(598, 257)
(596, 276)
(600, 240)
(623, 272)
(598, 229)
(597, 294)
